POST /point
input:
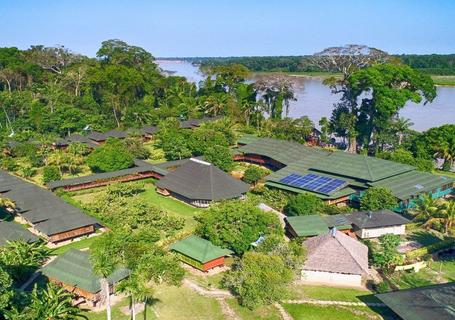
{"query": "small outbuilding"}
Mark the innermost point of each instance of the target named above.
(436, 302)
(199, 183)
(200, 253)
(373, 224)
(315, 225)
(335, 259)
(73, 271)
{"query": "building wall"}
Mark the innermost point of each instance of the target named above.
(219, 262)
(72, 234)
(377, 232)
(332, 278)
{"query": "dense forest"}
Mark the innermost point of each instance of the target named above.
(47, 93)
(436, 64)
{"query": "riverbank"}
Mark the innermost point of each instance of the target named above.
(447, 81)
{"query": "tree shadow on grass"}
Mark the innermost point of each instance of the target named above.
(425, 238)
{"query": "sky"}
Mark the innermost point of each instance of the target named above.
(172, 28)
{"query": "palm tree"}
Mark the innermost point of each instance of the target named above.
(103, 266)
(447, 211)
(51, 303)
(136, 287)
(402, 126)
(426, 210)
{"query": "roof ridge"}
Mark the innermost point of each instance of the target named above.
(368, 168)
(346, 249)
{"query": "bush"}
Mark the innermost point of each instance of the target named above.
(274, 198)
(236, 224)
(253, 174)
(136, 147)
(51, 173)
(442, 245)
(377, 198)
(304, 204)
(28, 172)
(9, 164)
(220, 156)
(112, 156)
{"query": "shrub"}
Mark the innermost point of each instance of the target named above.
(442, 245)
(304, 204)
(220, 156)
(136, 147)
(377, 198)
(9, 164)
(236, 224)
(274, 198)
(51, 173)
(253, 174)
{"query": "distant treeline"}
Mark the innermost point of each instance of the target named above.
(438, 64)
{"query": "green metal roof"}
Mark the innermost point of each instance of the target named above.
(413, 183)
(436, 302)
(360, 167)
(199, 249)
(75, 268)
(314, 225)
(335, 195)
(307, 226)
(282, 151)
(247, 139)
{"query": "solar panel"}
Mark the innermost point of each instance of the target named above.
(313, 185)
(331, 186)
(313, 182)
(290, 178)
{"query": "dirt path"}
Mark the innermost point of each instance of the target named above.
(219, 295)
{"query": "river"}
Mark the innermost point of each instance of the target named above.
(315, 100)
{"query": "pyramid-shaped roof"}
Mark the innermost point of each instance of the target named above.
(336, 252)
(199, 249)
(200, 180)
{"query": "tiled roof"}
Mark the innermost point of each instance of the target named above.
(199, 249)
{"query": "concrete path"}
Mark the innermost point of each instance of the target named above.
(336, 303)
(283, 313)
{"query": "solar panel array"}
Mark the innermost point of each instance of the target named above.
(313, 182)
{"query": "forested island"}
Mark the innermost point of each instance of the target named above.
(178, 199)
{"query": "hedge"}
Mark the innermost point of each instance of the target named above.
(442, 245)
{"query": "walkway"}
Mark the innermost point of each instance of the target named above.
(336, 303)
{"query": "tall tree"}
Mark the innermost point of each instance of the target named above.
(346, 60)
(276, 94)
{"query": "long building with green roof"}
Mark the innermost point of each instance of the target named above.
(337, 176)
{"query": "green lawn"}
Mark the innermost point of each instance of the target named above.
(332, 293)
(446, 268)
(264, 313)
(117, 314)
(444, 80)
(314, 312)
(172, 206)
(85, 243)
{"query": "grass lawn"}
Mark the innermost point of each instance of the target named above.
(263, 313)
(332, 293)
(172, 206)
(314, 312)
(85, 243)
(424, 237)
(208, 282)
(407, 279)
(171, 303)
